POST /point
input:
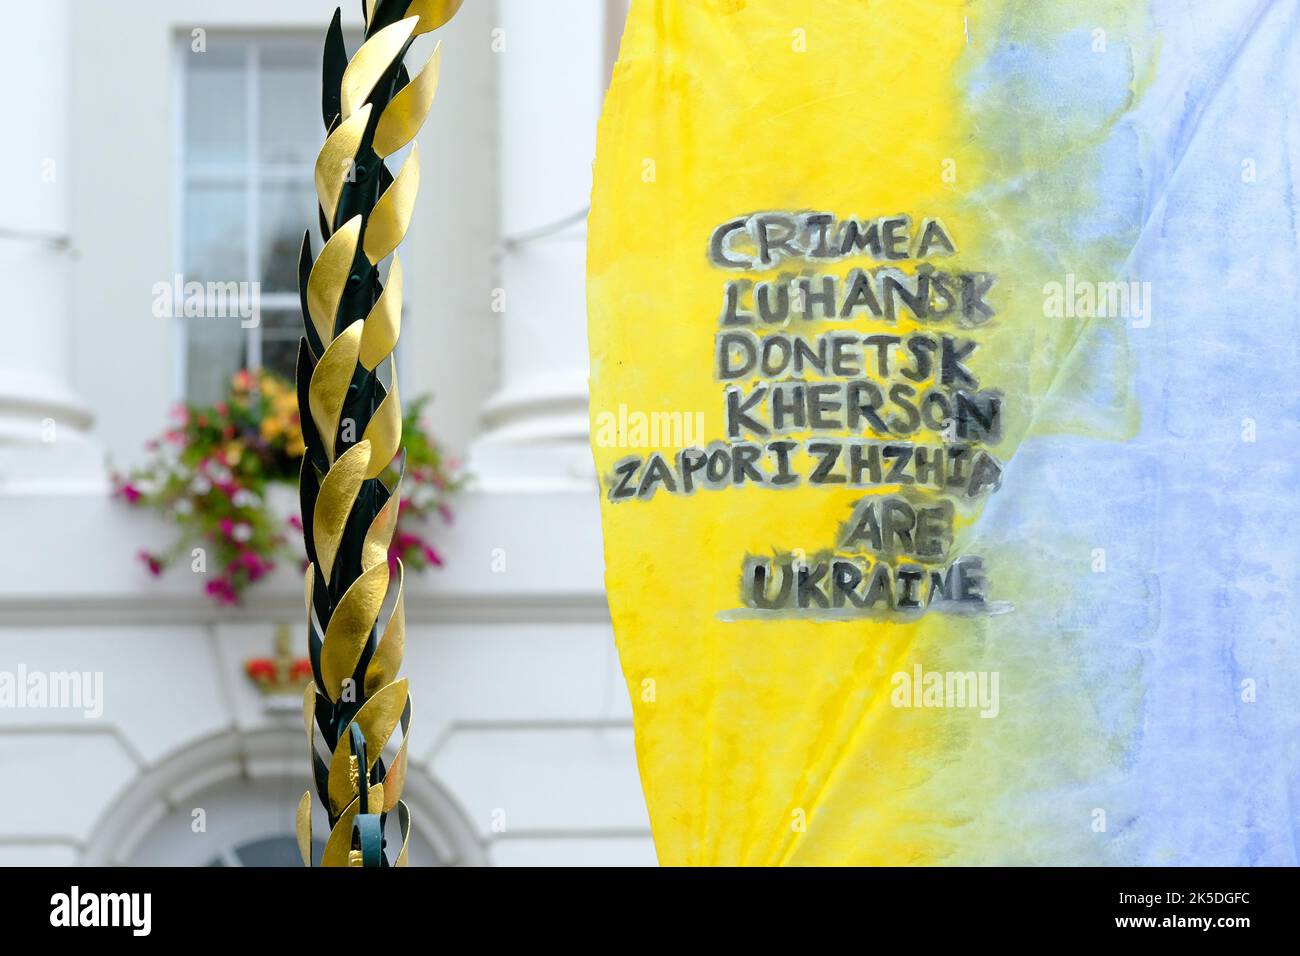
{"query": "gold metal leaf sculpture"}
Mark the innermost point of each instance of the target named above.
(352, 426)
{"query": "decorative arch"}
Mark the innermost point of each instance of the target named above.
(237, 778)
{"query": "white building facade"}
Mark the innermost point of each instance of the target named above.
(522, 741)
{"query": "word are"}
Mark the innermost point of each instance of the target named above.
(891, 526)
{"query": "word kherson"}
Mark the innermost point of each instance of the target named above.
(371, 107)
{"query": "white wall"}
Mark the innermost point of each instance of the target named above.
(521, 714)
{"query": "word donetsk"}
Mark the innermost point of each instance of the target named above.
(762, 241)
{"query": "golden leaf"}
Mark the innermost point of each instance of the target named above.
(404, 823)
(337, 493)
(329, 276)
(336, 162)
(380, 534)
(387, 659)
(309, 707)
(303, 827)
(432, 13)
(384, 323)
(404, 116)
(329, 383)
(392, 213)
(384, 430)
(395, 778)
(349, 628)
(372, 61)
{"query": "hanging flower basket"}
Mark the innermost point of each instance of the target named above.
(226, 476)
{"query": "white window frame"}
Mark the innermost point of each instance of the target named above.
(251, 172)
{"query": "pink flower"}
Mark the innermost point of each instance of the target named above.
(227, 526)
(295, 522)
(152, 563)
(222, 591)
(253, 563)
(432, 556)
(131, 493)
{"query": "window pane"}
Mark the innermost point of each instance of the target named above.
(216, 105)
(290, 127)
(287, 210)
(215, 349)
(215, 225)
(281, 331)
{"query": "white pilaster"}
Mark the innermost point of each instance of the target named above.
(43, 442)
(553, 67)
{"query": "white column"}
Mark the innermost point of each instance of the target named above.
(553, 67)
(43, 442)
